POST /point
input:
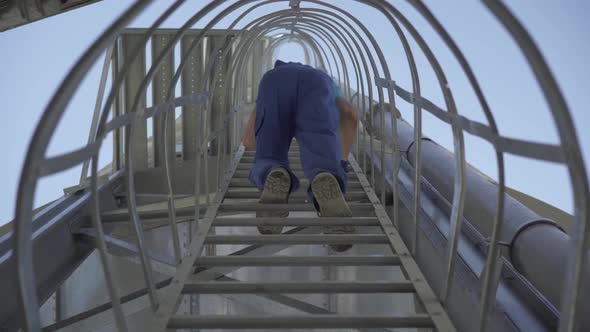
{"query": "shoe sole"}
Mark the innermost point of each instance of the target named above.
(331, 202)
(276, 191)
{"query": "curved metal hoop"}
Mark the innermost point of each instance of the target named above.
(321, 30)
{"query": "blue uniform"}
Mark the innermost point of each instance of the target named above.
(298, 101)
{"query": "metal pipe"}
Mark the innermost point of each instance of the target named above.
(535, 244)
(577, 267)
(108, 59)
(489, 285)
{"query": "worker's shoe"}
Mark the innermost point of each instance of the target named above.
(276, 191)
(331, 203)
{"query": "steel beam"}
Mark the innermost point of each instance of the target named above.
(215, 43)
(51, 229)
(160, 86)
(118, 107)
(136, 73)
(123, 248)
(191, 114)
(18, 13)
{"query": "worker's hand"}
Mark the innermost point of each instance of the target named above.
(348, 114)
(249, 144)
(249, 139)
(348, 125)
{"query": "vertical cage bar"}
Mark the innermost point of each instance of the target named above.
(491, 278)
(417, 172)
(164, 141)
(383, 144)
(108, 59)
(457, 209)
(395, 156)
(371, 144)
(137, 137)
(100, 243)
(118, 135)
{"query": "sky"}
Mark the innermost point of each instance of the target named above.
(36, 57)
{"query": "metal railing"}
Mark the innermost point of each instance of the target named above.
(225, 80)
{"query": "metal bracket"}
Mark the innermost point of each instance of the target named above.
(385, 83)
(200, 98)
(294, 4)
(488, 241)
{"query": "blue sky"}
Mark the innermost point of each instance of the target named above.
(36, 57)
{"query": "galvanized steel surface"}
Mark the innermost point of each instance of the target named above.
(319, 29)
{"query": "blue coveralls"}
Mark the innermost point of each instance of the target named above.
(298, 101)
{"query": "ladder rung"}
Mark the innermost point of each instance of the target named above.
(293, 160)
(244, 222)
(297, 239)
(246, 166)
(233, 207)
(254, 193)
(325, 287)
(303, 183)
(292, 153)
(123, 215)
(239, 174)
(299, 322)
(217, 261)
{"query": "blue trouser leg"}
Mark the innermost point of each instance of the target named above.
(274, 127)
(317, 121)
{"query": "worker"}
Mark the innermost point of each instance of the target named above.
(296, 100)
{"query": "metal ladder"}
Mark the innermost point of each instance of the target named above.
(371, 213)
